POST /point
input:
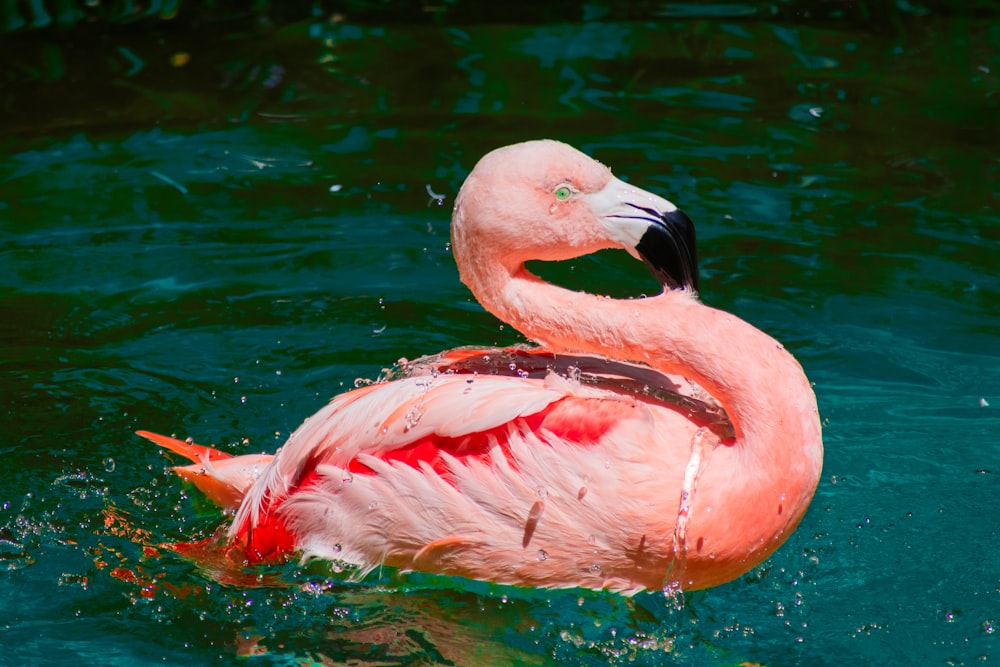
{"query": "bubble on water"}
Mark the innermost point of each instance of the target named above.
(109, 464)
(66, 579)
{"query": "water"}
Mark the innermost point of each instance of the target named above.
(214, 242)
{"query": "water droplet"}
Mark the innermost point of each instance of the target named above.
(674, 594)
(595, 567)
(592, 540)
(542, 555)
(243, 399)
(347, 477)
(412, 418)
(109, 464)
(236, 380)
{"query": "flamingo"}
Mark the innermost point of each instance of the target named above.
(646, 443)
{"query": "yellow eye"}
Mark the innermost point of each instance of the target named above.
(563, 193)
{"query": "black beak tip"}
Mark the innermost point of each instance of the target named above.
(668, 247)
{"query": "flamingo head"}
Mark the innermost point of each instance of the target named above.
(545, 200)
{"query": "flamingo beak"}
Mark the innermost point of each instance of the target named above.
(652, 229)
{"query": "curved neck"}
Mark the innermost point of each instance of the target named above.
(760, 385)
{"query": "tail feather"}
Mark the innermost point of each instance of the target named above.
(189, 450)
(223, 478)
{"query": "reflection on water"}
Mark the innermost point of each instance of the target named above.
(212, 227)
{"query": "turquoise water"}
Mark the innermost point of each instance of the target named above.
(212, 234)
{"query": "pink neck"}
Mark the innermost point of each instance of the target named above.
(760, 385)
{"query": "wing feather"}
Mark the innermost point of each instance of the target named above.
(384, 418)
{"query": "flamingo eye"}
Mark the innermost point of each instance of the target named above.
(563, 192)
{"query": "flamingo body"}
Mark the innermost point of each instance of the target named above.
(649, 443)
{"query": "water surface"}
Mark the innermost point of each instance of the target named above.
(211, 228)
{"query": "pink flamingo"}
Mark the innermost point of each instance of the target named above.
(649, 443)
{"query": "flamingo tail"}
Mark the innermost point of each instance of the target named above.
(222, 477)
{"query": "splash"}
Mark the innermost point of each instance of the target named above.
(700, 444)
